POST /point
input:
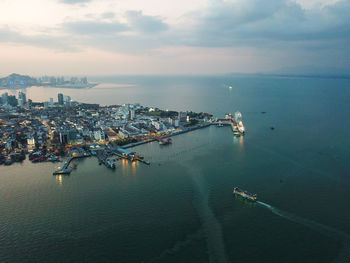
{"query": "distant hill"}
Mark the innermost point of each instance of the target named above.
(313, 71)
(17, 80)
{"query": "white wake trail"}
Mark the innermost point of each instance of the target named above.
(326, 230)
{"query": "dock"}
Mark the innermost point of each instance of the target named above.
(122, 152)
(128, 155)
(64, 169)
(103, 159)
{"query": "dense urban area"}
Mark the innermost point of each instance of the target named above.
(48, 131)
(20, 81)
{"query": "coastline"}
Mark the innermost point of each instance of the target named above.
(88, 86)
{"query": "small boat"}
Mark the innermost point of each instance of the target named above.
(245, 194)
(110, 164)
(165, 141)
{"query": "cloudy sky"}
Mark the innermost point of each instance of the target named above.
(104, 37)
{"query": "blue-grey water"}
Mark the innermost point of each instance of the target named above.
(181, 207)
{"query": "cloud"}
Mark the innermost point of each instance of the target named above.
(260, 22)
(75, 1)
(58, 43)
(92, 28)
(281, 25)
(144, 23)
(108, 15)
(138, 34)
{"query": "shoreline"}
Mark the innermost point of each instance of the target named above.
(130, 145)
(87, 86)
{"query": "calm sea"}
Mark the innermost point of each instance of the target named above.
(181, 207)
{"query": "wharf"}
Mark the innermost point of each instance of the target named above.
(64, 169)
(121, 152)
(103, 159)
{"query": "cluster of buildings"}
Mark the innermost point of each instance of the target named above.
(53, 81)
(52, 128)
(10, 101)
(16, 81)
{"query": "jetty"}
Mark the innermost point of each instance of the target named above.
(128, 155)
(64, 169)
(102, 157)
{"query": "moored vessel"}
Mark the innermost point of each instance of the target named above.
(164, 141)
(237, 125)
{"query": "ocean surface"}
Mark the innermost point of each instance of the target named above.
(181, 207)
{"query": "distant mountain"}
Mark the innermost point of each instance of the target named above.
(17, 80)
(313, 71)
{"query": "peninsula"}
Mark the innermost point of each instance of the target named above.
(17, 81)
(48, 131)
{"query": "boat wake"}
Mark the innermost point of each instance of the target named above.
(323, 229)
(198, 235)
(211, 226)
(326, 230)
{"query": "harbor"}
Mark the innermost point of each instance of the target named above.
(110, 153)
(188, 180)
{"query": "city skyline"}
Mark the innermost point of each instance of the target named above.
(88, 37)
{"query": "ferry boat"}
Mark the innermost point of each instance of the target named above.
(245, 194)
(237, 125)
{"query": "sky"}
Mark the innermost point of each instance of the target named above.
(117, 37)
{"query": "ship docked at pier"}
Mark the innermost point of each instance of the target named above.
(245, 194)
(237, 125)
(235, 122)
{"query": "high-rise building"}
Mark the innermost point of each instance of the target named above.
(4, 98)
(182, 116)
(12, 100)
(67, 100)
(51, 103)
(22, 95)
(63, 137)
(60, 98)
(131, 114)
(22, 100)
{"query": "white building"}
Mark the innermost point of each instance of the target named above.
(99, 135)
(31, 144)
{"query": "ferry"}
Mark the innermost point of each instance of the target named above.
(245, 194)
(237, 125)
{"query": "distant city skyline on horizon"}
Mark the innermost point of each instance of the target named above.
(203, 37)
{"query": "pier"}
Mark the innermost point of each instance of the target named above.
(64, 169)
(129, 155)
(102, 157)
(107, 151)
